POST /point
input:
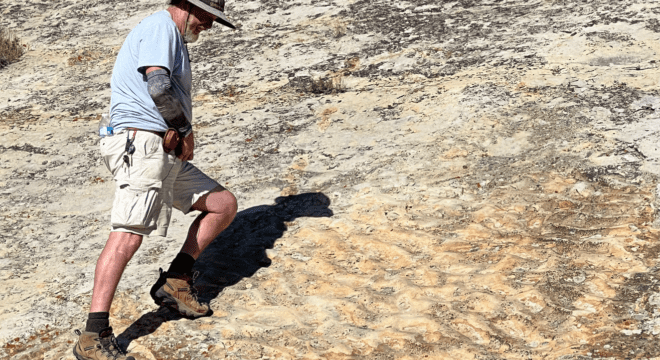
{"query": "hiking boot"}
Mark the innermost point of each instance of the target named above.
(99, 346)
(176, 291)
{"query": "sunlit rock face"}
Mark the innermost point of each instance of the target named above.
(422, 179)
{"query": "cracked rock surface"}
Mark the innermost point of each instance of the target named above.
(416, 179)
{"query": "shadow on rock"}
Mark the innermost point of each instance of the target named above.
(241, 249)
(237, 253)
(145, 325)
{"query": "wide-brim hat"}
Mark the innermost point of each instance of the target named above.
(215, 7)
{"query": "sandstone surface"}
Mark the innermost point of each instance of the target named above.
(416, 179)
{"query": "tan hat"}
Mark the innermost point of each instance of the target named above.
(215, 7)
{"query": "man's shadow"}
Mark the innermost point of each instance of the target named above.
(237, 253)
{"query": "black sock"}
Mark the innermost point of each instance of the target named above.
(182, 264)
(97, 321)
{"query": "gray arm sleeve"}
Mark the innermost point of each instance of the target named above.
(170, 108)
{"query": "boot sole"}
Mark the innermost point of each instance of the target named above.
(173, 303)
(75, 353)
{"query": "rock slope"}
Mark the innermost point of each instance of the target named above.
(416, 179)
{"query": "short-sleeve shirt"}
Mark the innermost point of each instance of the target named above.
(155, 41)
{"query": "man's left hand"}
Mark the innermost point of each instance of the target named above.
(187, 148)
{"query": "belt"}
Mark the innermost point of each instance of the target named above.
(159, 133)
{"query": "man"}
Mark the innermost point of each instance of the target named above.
(151, 104)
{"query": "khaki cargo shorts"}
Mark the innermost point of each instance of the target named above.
(150, 184)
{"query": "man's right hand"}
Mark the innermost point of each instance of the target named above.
(187, 148)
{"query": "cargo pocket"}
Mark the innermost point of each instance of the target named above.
(137, 204)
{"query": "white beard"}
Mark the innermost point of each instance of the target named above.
(189, 37)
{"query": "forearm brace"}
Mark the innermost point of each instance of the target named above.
(170, 108)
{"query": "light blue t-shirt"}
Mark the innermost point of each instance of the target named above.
(155, 41)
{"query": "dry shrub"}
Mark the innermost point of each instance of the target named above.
(10, 48)
(319, 86)
(327, 86)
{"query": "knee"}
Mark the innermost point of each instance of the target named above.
(133, 244)
(224, 202)
(130, 247)
(125, 243)
(231, 204)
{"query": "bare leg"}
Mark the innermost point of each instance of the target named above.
(119, 249)
(218, 210)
